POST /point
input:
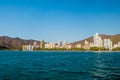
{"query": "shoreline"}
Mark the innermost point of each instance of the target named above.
(58, 51)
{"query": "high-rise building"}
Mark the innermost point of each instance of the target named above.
(42, 44)
(59, 44)
(115, 45)
(108, 44)
(78, 46)
(28, 48)
(97, 40)
(35, 44)
(86, 44)
(50, 45)
(68, 46)
(65, 43)
(118, 44)
(47, 45)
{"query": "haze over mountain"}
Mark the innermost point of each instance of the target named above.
(17, 43)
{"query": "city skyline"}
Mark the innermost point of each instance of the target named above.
(98, 44)
(64, 20)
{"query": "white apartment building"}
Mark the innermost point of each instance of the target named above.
(97, 40)
(116, 45)
(108, 44)
(28, 48)
(50, 45)
(47, 45)
(68, 46)
(65, 43)
(78, 46)
(59, 44)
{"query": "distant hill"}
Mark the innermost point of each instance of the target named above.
(13, 43)
(114, 38)
(17, 43)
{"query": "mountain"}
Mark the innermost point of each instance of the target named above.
(13, 43)
(17, 43)
(114, 38)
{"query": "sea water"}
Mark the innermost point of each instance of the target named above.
(56, 65)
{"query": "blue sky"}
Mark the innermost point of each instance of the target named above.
(59, 20)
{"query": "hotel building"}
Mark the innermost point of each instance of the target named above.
(97, 40)
(108, 44)
(42, 44)
(28, 48)
(78, 46)
(86, 45)
(35, 44)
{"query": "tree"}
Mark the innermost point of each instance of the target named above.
(116, 49)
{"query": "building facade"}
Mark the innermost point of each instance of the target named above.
(97, 40)
(28, 48)
(35, 44)
(78, 46)
(108, 44)
(86, 44)
(42, 44)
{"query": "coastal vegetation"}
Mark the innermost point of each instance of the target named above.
(50, 49)
(78, 49)
(8, 43)
(98, 49)
(72, 49)
(116, 49)
(61, 49)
